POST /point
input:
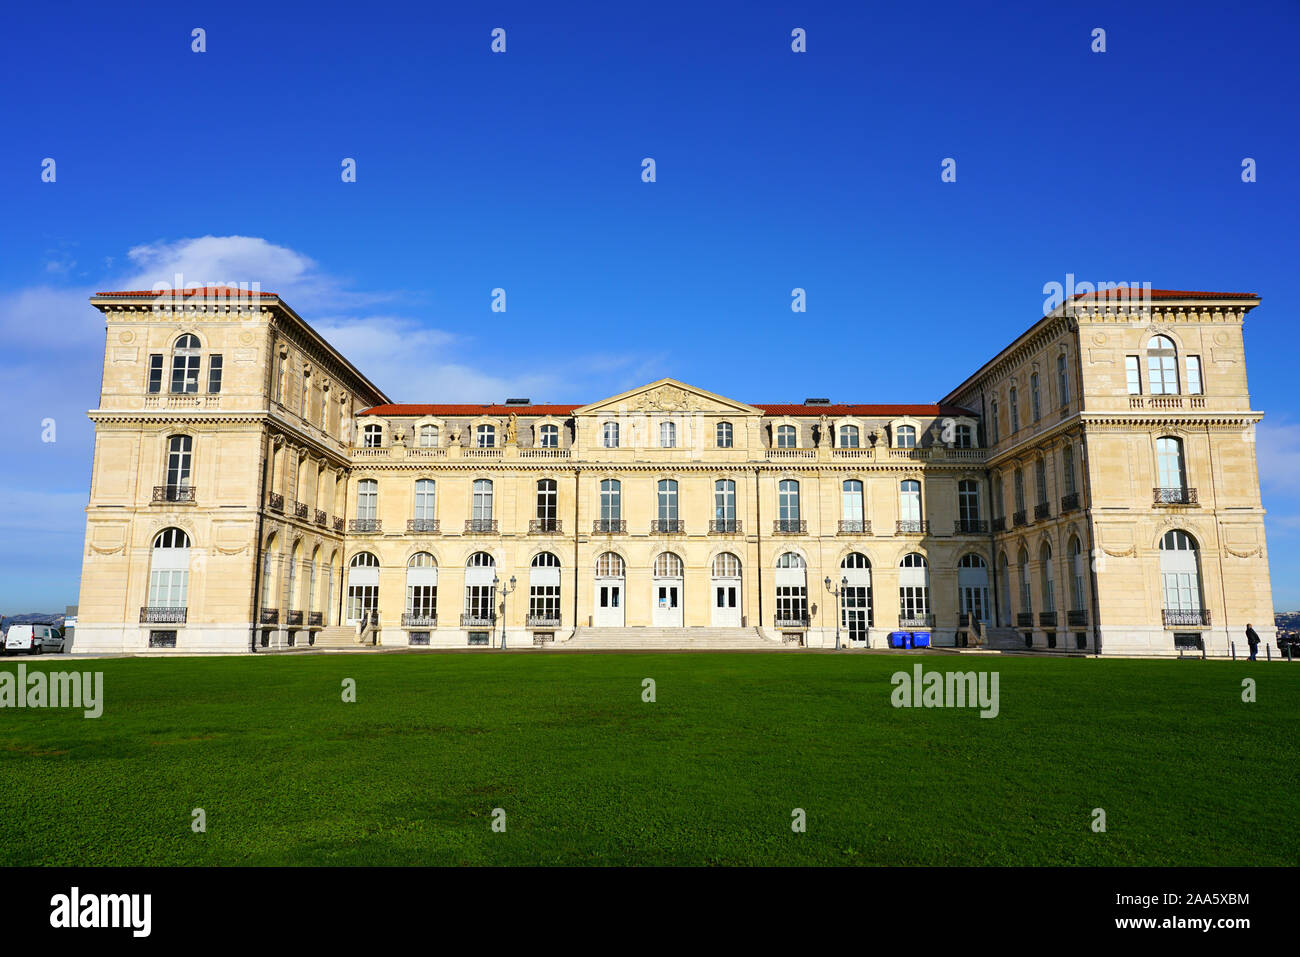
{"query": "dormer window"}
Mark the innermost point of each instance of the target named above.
(372, 436)
(849, 437)
(428, 436)
(549, 437)
(964, 438)
(485, 437)
(905, 437)
(786, 437)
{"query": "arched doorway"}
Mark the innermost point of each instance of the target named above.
(666, 588)
(726, 591)
(855, 596)
(363, 587)
(609, 591)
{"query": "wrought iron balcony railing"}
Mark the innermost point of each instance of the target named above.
(544, 526)
(724, 526)
(427, 526)
(855, 526)
(1069, 502)
(174, 494)
(414, 620)
(667, 526)
(789, 526)
(608, 526)
(1180, 617)
(366, 526)
(788, 621)
(477, 621)
(300, 509)
(480, 526)
(1000, 524)
(294, 618)
(1024, 619)
(1042, 510)
(321, 517)
(1174, 496)
(276, 502)
(338, 525)
(1019, 518)
(970, 526)
(269, 616)
(544, 621)
(1047, 619)
(154, 614)
(315, 619)
(913, 526)
(1076, 618)
(916, 621)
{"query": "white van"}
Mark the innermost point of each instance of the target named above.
(33, 639)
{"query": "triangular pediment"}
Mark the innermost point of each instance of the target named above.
(670, 396)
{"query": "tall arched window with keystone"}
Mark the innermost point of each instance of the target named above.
(480, 590)
(363, 587)
(421, 591)
(856, 614)
(169, 576)
(185, 365)
(1162, 366)
(544, 591)
(791, 591)
(973, 589)
(913, 591)
(723, 435)
(1180, 573)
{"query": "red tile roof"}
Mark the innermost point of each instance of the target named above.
(187, 291)
(867, 411)
(1132, 292)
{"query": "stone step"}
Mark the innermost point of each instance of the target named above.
(662, 639)
(337, 636)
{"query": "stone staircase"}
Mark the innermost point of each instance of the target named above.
(668, 639)
(1006, 639)
(337, 636)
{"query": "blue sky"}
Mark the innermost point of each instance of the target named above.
(522, 171)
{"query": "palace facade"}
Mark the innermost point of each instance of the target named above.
(1092, 487)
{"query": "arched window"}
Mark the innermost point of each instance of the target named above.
(791, 591)
(544, 590)
(1025, 615)
(668, 435)
(905, 437)
(667, 565)
(968, 505)
(609, 565)
(1048, 572)
(786, 437)
(372, 436)
(485, 436)
(726, 565)
(185, 365)
(913, 591)
(480, 590)
(1180, 573)
(723, 435)
(363, 587)
(1162, 366)
(421, 590)
(609, 435)
(909, 506)
(481, 506)
(169, 571)
(724, 506)
(311, 601)
(1172, 475)
(428, 436)
(549, 437)
(849, 437)
(425, 505)
(856, 611)
(548, 508)
(973, 589)
(852, 521)
(179, 465)
(788, 506)
(1075, 551)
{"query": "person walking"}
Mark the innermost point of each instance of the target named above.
(1252, 639)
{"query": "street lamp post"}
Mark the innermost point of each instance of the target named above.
(837, 592)
(505, 593)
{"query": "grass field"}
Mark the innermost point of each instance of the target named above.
(588, 773)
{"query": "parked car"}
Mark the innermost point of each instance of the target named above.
(33, 639)
(1288, 645)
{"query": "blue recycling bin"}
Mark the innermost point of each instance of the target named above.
(900, 639)
(920, 639)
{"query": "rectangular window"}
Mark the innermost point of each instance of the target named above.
(544, 602)
(1133, 370)
(162, 639)
(1015, 412)
(993, 422)
(478, 637)
(1062, 380)
(419, 637)
(1194, 375)
(155, 374)
(1033, 396)
(214, 374)
(1067, 456)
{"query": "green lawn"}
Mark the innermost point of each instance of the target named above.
(588, 773)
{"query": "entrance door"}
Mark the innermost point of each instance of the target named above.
(609, 604)
(667, 603)
(726, 603)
